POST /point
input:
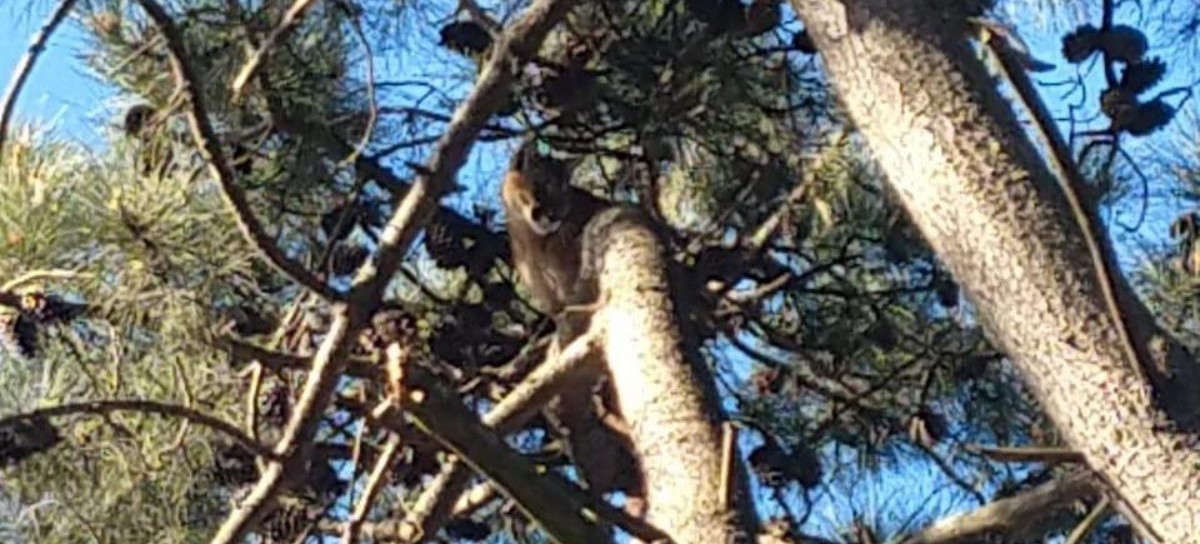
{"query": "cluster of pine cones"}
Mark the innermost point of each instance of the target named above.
(20, 326)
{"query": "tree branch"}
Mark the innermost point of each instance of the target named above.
(374, 484)
(25, 67)
(438, 502)
(291, 18)
(101, 407)
(960, 162)
(441, 499)
(563, 510)
(278, 361)
(1022, 516)
(418, 204)
(1028, 455)
(208, 144)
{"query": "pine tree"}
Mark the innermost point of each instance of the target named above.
(167, 296)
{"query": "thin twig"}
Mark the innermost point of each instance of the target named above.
(25, 66)
(1089, 523)
(543, 382)
(356, 451)
(1028, 454)
(728, 458)
(290, 20)
(374, 484)
(948, 470)
(479, 495)
(278, 361)
(38, 275)
(799, 193)
(105, 407)
(207, 143)
(372, 106)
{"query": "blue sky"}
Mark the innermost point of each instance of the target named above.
(60, 91)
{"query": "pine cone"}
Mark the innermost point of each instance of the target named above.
(420, 460)
(249, 320)
(1081, 44)
(1141, 76)
(1124, 43)
(278, 403)
(18, 335)
(286, 523)
(762, 16)
(322, 480)
(25, 437)
(233, 466)
(467, 529)
(364, 213)
(1118, 105)
(347, 258)
(775, 466)
(1148, 118)
(49, 309)
(137, 120)
(445, 242)
(466, 37)
(389, 325)
(768, 461)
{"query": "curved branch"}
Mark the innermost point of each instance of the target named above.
(101, 407)
(23, 69)
(207, 143)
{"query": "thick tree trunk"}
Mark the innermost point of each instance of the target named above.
(666, 399)
(962, 166)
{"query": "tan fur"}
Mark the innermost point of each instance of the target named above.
(546, 260)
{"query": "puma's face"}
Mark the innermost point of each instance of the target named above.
(539, 202)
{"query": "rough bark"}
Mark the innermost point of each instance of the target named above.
(672, 413)
(974, 185)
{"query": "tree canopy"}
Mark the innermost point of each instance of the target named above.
(210, 321)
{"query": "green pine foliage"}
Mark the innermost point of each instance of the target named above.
(841, 334)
